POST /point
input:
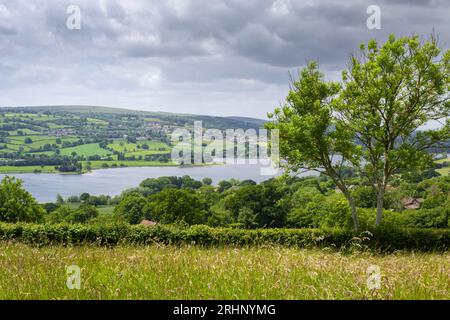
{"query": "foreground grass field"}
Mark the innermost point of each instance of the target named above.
(168, 272)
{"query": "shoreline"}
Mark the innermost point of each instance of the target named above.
(53, 171)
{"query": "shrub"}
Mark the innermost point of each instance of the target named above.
(422, 218)
(83, 214)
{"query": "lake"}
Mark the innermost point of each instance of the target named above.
(45, 187)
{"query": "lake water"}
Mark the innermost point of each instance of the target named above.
(45, 187)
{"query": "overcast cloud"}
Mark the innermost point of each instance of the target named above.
(228, 57)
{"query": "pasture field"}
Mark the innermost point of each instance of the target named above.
(15, 142)
(131, 149)
(142, 138)
(28, 169)
(86, 150)
(169, 272)
(446, 170)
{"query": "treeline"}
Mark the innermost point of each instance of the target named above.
(285, 202)
(312, 202)
(294, 203)
(148, 157)
(61, 163)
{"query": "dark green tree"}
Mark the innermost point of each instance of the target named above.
(17, 204)
(131, 208)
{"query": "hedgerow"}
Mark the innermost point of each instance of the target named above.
(381, 239)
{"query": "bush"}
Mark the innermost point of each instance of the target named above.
(83, 214)
(380, 239)
(422, 218)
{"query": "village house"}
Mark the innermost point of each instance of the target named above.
(411, 203)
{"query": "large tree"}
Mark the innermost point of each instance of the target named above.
(390, 92)
(177, 205)
(17, 204)
(310, 136)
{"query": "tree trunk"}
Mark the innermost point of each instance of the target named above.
(352, 205)
(354, 214)
(380, 203)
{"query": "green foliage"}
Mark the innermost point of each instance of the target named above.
(59, 215)
(207, 181)
(246, 218)
(17, 204)
(155, 185)
(83, 214)
(310, 135)
(437, 217)
(365, 197)
(131, 208)
(263, 200)
(389, 92)
(177, 205)
(224, 185)
(379, 239)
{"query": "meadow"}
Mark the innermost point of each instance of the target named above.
(445, 171)
(86, 150)
(194, 272)
(28, 169)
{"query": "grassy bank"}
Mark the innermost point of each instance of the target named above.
(168, 272)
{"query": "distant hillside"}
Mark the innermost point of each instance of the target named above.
(172, 118)
(258, 122)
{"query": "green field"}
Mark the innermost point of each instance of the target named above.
(105, 209)
(15, 142)
(132, 149)
(166, 272)
(446, 170)
(86, 150)
(28, 169)
(30, 135)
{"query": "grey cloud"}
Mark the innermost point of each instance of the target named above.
(214, 56)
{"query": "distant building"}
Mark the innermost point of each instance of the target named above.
(60, 132)
(411, 203)
(148, 223)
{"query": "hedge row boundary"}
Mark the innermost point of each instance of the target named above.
(382, 239)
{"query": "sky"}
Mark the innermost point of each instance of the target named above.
(224, 57)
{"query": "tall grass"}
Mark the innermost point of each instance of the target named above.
(193, 272)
